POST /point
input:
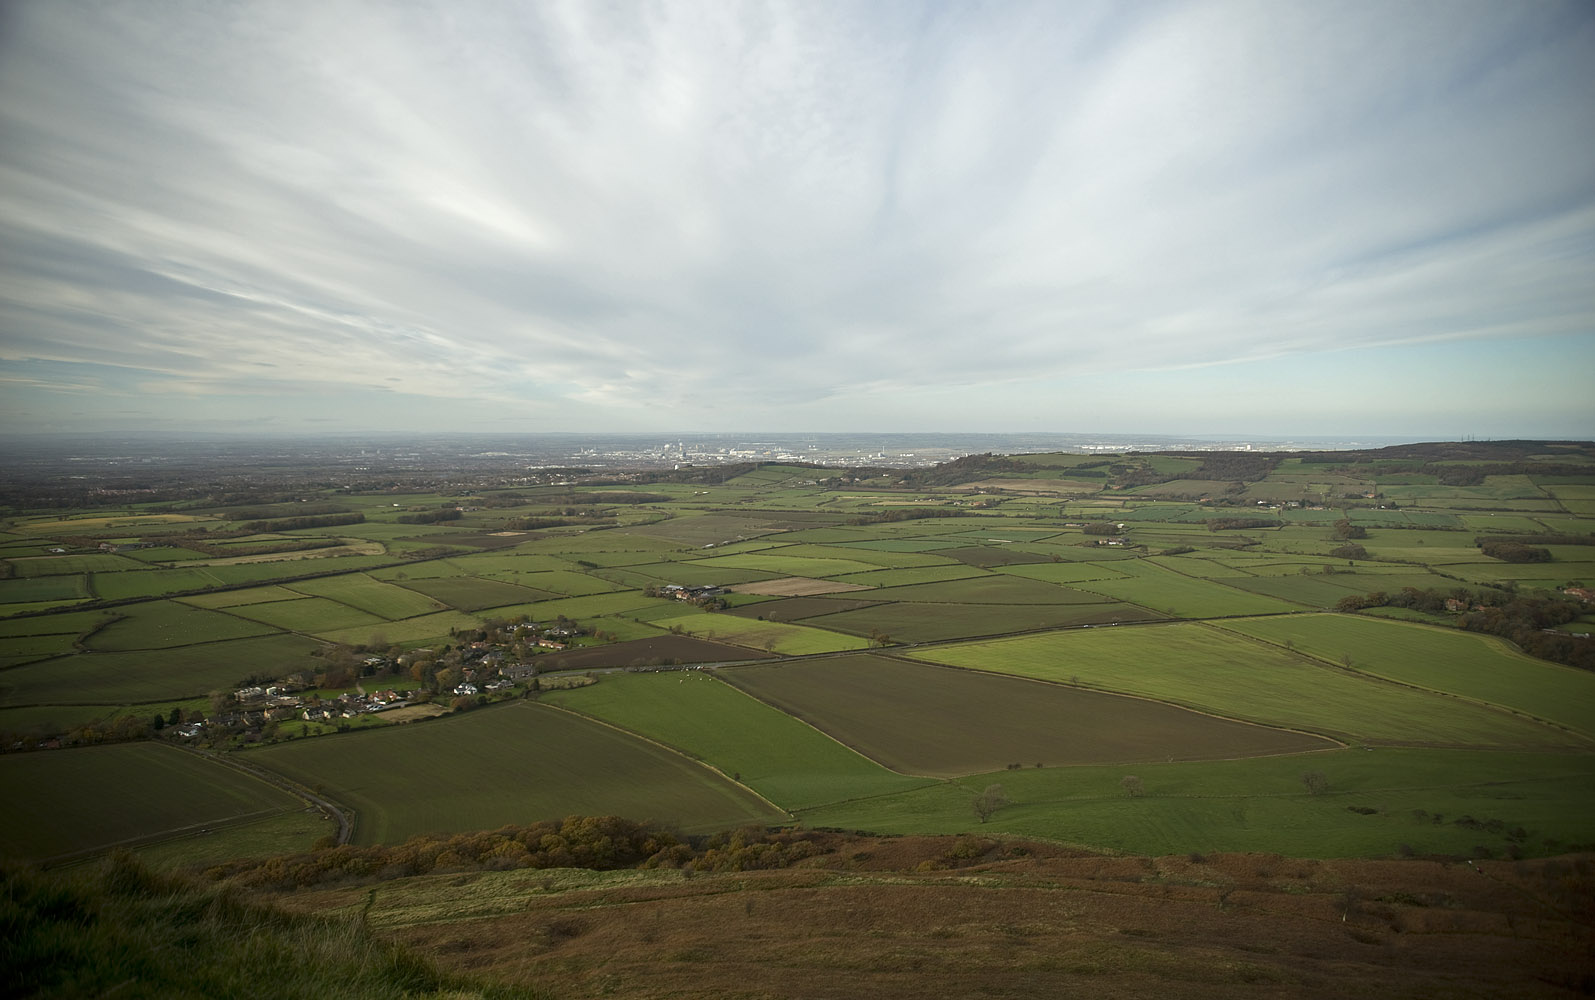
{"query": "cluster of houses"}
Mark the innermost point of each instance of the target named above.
(282, 701)
(693, 594)
(486, 667)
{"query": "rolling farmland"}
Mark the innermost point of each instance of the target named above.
(505, 764)
(1216, 671)
(919, 719)
(913, 646)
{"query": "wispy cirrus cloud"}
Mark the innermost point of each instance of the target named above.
(616, 213)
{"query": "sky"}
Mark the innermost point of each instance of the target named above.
(1281, 216)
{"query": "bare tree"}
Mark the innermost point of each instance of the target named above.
(989, 801)
(1132, 786)
(1316, 783)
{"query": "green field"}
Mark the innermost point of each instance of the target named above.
(818, 567)
(167, 624)
(1065, 572)
(308, 614)
(1480, 668)
(153, 582)
(132, 677)
(1183, 596)
(911, 576)
(919, 719)
(1260, 805)
(35, 646)
(55, 565)
(469, 593)
(225, 599)
(1216, 671)
(92, 798)
(66, 623)
(786, 761)
(905, 622)
(788, 640)
(515, 763)
(410, 631)
(43, 588)
(385, 600)
(989, 588)
(567, 583)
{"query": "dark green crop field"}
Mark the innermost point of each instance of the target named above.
(934, 721)
(507, 764)
(91, 798)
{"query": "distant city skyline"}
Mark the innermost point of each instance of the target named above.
(1221, 219)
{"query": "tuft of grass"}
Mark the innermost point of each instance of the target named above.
(123, 929)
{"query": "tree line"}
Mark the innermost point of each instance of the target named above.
(1236, 523)
(1513, 552)
(1530, 622)
(431, 516)
(600, 843)
(307, 521)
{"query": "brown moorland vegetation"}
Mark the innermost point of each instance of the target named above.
(926, 917)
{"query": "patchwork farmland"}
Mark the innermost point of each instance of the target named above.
(1142, 659)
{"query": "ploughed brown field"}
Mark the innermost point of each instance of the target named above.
(915, 917)
(958, 722)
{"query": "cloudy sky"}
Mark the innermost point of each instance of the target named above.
(1311, 217)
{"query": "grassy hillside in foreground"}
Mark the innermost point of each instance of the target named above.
(121, 930)
(952, 917)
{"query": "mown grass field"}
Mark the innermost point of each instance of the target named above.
(61, 623)
(136, 676)
(920, 719)
(1183, 596)
(788, 640)
(410, 631)
(385, 600)
(469, 593)
(911, 576)
(226, 599)
(989, 588)
(166, 624)
(1217, 671)
(308, 614)
(783, 565)
(788, 762)
(1479, 668)
(1438, 802)
(905, 622)
(91, 798)
(514, 763)
(152, 582)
